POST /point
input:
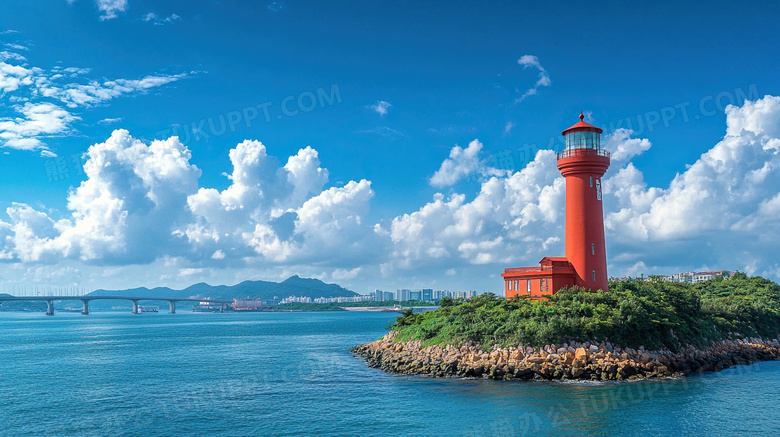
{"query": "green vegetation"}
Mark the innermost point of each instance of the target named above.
(338, 306)
(655, 314)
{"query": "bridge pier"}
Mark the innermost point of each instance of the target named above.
(49, 307)
(85, 311)
(135, 307)
(171, 307)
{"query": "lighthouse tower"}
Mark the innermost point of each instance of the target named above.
(583, 162)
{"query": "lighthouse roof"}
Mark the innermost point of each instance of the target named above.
(581, 126)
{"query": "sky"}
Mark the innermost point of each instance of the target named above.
(378, 144)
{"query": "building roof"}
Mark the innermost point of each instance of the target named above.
(558, 261)
(582, 127)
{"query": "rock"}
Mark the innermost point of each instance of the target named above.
(562, 361)
(626, 370)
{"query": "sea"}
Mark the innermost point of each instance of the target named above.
(291, 374)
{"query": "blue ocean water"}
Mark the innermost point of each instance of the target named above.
(290, 374)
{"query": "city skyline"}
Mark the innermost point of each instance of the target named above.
(377, 146)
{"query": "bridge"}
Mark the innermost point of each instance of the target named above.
(135, 299)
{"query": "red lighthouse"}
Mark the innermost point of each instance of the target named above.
(582, 162)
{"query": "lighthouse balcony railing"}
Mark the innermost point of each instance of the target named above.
(568, 153)
(541, 269)
(528, 269)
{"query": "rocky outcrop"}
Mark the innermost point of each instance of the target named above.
(580, 361)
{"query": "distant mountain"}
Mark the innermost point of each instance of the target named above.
(292, 286)
(21, 305)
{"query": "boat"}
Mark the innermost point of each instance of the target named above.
(145, 309)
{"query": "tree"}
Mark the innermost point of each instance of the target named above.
(446, 302)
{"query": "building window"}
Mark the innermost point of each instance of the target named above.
(540, 286)
(509, 285)
(591, 181)
(528, 286)
(517, 285)
(598, 189)
(594, 276)
(592, 248)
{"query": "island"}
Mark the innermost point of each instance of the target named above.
(638, 329)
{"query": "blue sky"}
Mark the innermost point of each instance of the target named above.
(393, 191)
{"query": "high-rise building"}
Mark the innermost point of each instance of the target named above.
(582, 163)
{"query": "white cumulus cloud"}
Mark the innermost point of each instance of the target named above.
(461, 164)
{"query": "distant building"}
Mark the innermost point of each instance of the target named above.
(246, 304)
(344, 299)
(423, 294)
(694, 277)
(295, 299)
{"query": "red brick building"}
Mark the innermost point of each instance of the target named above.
(582, 163)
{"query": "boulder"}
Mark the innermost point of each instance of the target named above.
(626, 370)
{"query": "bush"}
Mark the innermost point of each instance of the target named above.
(654, 314)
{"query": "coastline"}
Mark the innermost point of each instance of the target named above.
(576, 361)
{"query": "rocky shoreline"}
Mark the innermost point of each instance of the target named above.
(575, 361)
